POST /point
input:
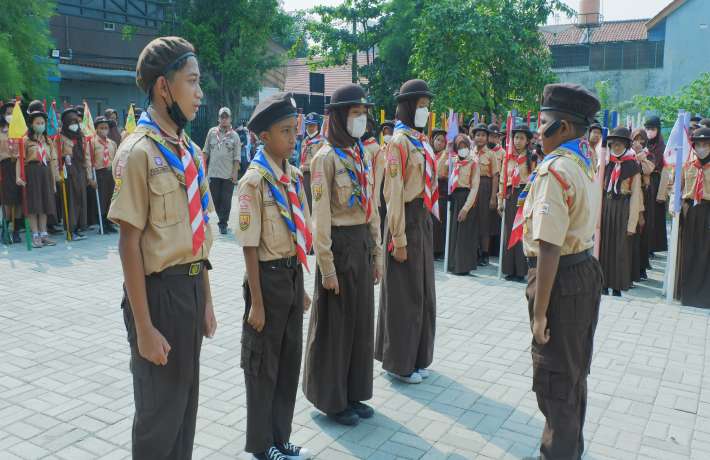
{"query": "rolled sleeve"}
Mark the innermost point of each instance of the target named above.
(130, 201)
(248, 232)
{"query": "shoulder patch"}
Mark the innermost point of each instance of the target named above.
(251, 178)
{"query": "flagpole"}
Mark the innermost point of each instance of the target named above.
(450, 138)
(508, 147)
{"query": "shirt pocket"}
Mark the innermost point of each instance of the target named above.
(165, 201)
(270, 220)
(343, 188)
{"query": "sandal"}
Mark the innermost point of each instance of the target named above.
(47, 242)
(37, 242)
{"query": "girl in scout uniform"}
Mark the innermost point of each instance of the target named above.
(104, 151)
(520, 166)
(640, 261)
(164, 244)
(656, 221)
(10, 196)
(438, 143)
(494, 145)
(339, 350)
(78, 163)
(695, 236)
(39, 178)
(405, 330)
(488, 167)
(274, 231)
(621, 206)
(465, 177)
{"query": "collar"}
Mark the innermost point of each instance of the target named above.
(275, 167)
(168, 131)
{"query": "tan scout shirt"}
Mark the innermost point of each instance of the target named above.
(404, 182)
(7, 149)
(442, 163)
(32, 153)
(690, 172)
(308, 151)
(469, 177)
(224, 150)
(149, 197)
(103, 149)
(556, 215)
(332, 188)
(666, 183)
(379, 163)
(67, 151)
(499, 154)
(632, 186)
(487, 161)
(260, 222)
(524, 175)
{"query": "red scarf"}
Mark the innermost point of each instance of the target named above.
(616, 172)
(519, 160)
(455, 175)
(699, 188)
(107, 152)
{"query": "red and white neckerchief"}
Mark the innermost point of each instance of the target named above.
(220, 138)
(516, 177)
(616, 172)
(308, 142)
(455, 174)
(106, 152)
(420, 141)
(42, 152)
(480, 152)
(304, 238)
(699, 187)
(197, 221)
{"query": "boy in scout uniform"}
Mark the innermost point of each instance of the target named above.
(161, 201)
(310, 146)
(104, 153)
(274, 230)
(223, 152)
(564, 280)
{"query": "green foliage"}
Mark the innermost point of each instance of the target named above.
(693, 98)
(603, 88)
(128, 32)
(25, 43)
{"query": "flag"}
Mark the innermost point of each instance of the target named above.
(52, 121)
(516, 233)
(324, 126)
(87, 123)
(301, 125)
(681, 152)
(451, 132)
(130, 120)
(18, 127)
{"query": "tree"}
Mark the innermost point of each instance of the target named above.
(484, 55)
(233, 38)
(25, 43)
(693, 98)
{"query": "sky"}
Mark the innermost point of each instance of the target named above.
(612, 10)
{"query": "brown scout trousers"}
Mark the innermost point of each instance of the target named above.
(340, 345)
(271, 359)
(561, 366)
(166, 397)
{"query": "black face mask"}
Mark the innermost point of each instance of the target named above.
(175, 112)
(491, 145)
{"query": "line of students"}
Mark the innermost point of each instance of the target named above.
(78, 167)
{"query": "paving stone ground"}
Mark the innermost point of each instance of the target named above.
(65, 386)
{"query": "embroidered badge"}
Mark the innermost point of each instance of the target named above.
(116, 188)
(393, 169)
(544, 208)
(317, 190)
(244, 202)
(244, 221)
(158, 161)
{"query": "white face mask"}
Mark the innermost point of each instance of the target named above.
(702, 151)
(357, 126)
(74, 127)
(8, 119)
(421, 116)
(388, 138)
(464, 153)
(312, 135)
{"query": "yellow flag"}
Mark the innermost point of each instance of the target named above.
(18, 127)
(130, 120)
(87, 123)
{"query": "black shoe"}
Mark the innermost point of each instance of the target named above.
(109, 228)
(77, 236)
(293, 452)
(54, 229)
(485, 262)
(223, 230)
(362, 410)
(16, 237)
(605, 291)
(347, 417)
(520, 279)
(511, 278)
(644, 275)
(616, 293)
(651, 255)
(272, 453)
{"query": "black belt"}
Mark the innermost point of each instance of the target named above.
(617, 196)
(565, 261)
(287, 263)
(192, 269)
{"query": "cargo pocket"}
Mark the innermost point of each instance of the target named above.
(143, 389)
(344, 188)
(551, 385)
(252, 352)
(164, 201)
(566, 305)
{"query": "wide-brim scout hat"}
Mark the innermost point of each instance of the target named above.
(596, 125)
(480, 127)
(571, 99)
(413, 89)
(271, 110)
(620, 133)
(69, 110)
(701, 134)
(35, 106)
(525, 129)
(436, 131)
(653, 122)
(494, 128)
(347, 95)
(696, 119)
(387, 124)
(6, 104)
(36, 114)
(100, 120)
(312, 119)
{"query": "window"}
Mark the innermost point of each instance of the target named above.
(626, 55)
(570, 56)
(110, 26)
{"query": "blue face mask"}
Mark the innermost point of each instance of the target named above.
(38, 129)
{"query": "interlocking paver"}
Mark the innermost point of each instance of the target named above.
(65, 389)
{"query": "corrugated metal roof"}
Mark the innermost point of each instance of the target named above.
(613, 31)
(297, 79)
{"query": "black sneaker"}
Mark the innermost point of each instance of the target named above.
(362, 410)
(347, 417)
(293, 452)
(511, 278)
(272, 453)
(605, 291)
(616, 293)
(16, 237)
(223, 230)
(644, 275)
(109, 228)
(76, 236)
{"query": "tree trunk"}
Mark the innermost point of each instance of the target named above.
(354, 63)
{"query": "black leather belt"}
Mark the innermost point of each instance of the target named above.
(192, 269)
(288, 263)
(565, 261)
(618, 196)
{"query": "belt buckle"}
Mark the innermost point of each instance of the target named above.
(290, 262)
(195, 269)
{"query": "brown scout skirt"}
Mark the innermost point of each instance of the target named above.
(463, 238)
(340, 345)
(40, 193)
(483, 207)
(77, 200)
(10, 193)
(307, 187)
(439, 226)
(615, 252)
(513, 260)
(695, 260)
(406, 323)
(658, 234)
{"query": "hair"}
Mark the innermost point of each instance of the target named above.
(161, 57)
(338, 135)
(461, 139)
(579, 128)
(406, 109)
(2, 115)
